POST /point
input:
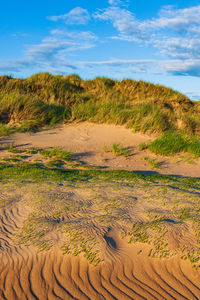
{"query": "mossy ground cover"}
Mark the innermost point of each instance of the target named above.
(81, 206)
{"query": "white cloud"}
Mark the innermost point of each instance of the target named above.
(168, 67)
(175, 32)
(189, 67)
(78, 35)
(118, 2)
(52, 54)
(77, 16)
(114, 2)
(124, 21)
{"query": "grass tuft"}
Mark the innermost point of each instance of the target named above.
(172, 142)
(143, 146)
(57, 153)
(6, 130)
(153, 162)
(117, 149)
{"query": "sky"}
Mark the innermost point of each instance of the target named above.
(156, 41)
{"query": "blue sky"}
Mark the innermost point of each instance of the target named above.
(157, 41)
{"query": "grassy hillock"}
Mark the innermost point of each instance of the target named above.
(44, 99)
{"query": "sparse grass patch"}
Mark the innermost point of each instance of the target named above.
(117, 149)
(106, 149)
(143, 146)
(55, 163)
(12, 149)
(11, 159)
(58, 154)
(153, 162)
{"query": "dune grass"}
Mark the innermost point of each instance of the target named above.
(172, 142)
(6, 130)
(117, 149)
(143, 146)
(45, 100)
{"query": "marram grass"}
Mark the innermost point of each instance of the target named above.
(45, 100)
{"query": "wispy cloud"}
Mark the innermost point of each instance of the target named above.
(153, 66)
(52, 54)
(20, 35)
(114, 2)
(118, 2)
(175, 32)
(77, 16)
(53, 62)
(77, 35)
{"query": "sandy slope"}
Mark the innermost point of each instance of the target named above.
(88, 141)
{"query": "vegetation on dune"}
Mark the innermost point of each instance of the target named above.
(6, 130)
(57, 153)
(117, 149)
(45, 99)
(153, 162)
(172, 142)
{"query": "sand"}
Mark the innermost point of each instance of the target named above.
(26, 273)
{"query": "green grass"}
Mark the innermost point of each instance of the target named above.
(55, 163)
(194, 148)
(172, 142)
(6, 130)
(117, 149)
(58, 154)
(36, 173)
(13, 149)
(153, 162)
(11, 159)
(143, 146)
